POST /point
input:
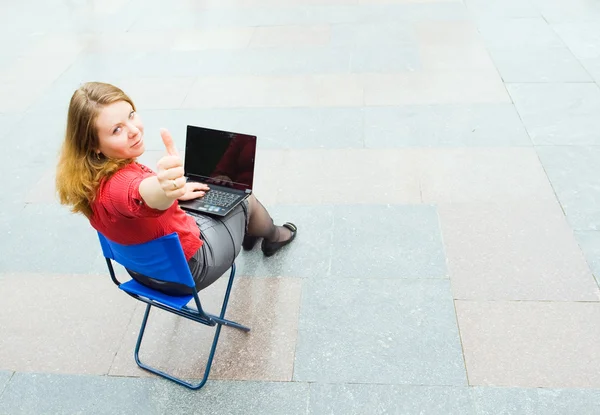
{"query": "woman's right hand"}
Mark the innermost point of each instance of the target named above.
(170, 169)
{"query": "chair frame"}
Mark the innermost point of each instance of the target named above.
(197, 315)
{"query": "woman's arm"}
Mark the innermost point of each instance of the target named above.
(160, 191)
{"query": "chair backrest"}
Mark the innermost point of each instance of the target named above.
(161, 259)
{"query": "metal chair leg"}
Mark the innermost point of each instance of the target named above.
(220, 322)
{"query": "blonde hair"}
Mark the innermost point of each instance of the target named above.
(81, 168)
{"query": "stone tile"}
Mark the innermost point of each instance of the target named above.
(37, 68)
(593, 68)
(150, 93)
(389, 399)
(348, 177)
(230, 38)
(41, 239)
(276, 91)
(308, 256)
(46, 393)
(480, 175)
(104, 43)
(61, 323)
(573, 172)
(581, 37)
(8, 121)
(589, 241)
(568, 401)
(44, 191)
(452, 46)
(559, 113)
(561, 11)
(502, 8)
(276, 128)
(399, 241)
(530, 344)
(397, 51)
(504, 401)
(528, 50)
(274, 36)
(4, 379)
(516, 251)
(269, 306)
(18, 96)
(482, 125)
(384, 331)
(434, 88)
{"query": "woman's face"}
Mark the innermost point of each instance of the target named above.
(120, 131)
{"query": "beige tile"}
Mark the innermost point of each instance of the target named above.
(44, 191)
(140, 42)
(349, 176)
(514, 251)
(483, 175)
(234, 38)
(156, 93)
(452, 46)
(434, 87)
(269, 306)
(531, 344)
(276, 91)
(61, 323)
(272, 36)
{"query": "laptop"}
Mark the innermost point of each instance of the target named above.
(225, 162)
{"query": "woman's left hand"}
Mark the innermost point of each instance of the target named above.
(194, 190)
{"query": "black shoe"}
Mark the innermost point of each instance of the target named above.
(269, 248)
(249, 242)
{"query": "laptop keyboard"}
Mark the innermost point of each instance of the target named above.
(219, 198)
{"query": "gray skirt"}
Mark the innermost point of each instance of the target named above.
(222, 241)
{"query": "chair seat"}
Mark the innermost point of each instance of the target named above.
(176, 302)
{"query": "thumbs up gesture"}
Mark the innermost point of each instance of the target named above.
(170, 174)
(170, 169)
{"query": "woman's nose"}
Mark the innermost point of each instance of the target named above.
(133, 130)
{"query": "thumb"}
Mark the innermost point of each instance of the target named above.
(168, 142)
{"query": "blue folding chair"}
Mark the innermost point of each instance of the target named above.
(163, 260)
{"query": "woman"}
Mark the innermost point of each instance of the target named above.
(128, 203)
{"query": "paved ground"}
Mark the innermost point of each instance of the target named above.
(441, 159)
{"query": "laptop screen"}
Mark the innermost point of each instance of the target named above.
(221, 157)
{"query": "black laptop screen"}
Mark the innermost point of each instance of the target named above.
(220, 157)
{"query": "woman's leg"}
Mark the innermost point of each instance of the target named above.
(261, 225)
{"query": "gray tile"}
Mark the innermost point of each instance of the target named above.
(350, 399)
(397, 241)
(593, 67)
(575, 176)
(275, 127)
(45, 394)
(559, 113)
(539, 65)
(589, 241)
(42, 239)
(502, 8)
(310, 253)
(384, 331)
(560, 11)
(4, 379)
(568, 401)
(504, 401)
(481, 125)
(527, 50)
(582, 38)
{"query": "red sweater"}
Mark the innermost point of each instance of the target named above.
(120, 214)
